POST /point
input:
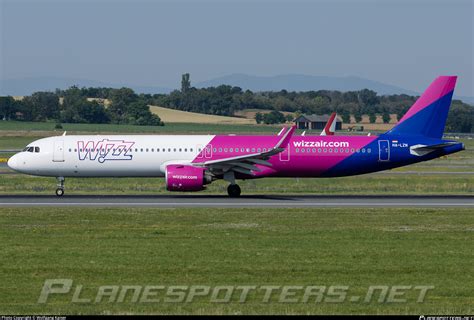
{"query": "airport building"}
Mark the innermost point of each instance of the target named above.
(315, 122)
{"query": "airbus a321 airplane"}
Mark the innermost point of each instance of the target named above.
(189, 162)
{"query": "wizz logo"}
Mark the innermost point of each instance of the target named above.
(104, 150)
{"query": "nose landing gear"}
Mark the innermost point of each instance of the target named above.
(60, 189)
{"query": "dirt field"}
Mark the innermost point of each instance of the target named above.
(171, 115)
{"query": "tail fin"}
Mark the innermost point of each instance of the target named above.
(427, 117)
(330, 126)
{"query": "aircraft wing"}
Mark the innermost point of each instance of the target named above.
(247, 163)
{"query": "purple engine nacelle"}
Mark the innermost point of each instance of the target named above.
(184, 178)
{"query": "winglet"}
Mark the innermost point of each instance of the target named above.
(281, 131)
(286, 138)
(330, 126)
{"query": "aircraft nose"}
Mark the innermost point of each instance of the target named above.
(13, 163)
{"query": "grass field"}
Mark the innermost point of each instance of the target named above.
(438, 181)
(357, 248)
(21, 128)
(366, 184)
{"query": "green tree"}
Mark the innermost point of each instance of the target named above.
(368, 97)
(386, 117)
(120, 100)
(358, 116)
(185, 83)
(258, 117)
(274, 117)
(92, 112)
(7, 108)
(40, 106)
(460, 118)
(372, 117)
(346, 116)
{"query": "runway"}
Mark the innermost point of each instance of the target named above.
(218, 201)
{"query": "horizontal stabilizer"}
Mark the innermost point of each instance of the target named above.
(421, 149)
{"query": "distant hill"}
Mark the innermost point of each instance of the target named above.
(298, 82)
(26, 86)
(290, 82)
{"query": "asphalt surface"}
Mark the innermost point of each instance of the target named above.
(217, 201)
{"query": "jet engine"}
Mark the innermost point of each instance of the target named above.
(185, 178)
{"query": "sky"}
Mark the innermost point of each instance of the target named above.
(151, 43)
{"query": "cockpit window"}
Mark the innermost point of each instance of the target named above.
(32, 149)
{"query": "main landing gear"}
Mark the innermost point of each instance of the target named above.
(60, 189)
(233, 190)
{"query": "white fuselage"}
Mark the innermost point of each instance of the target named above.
(108, 155)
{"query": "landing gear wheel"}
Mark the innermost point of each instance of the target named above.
(233, 190)
(60, 189)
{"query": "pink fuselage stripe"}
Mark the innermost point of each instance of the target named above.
(439, 88)
(319, 152)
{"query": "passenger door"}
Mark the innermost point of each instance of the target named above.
(384, 150)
